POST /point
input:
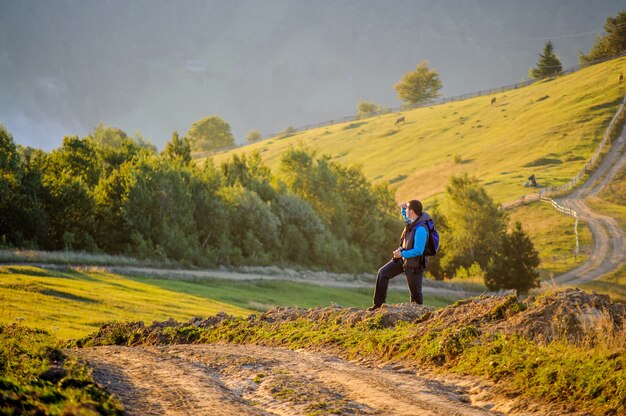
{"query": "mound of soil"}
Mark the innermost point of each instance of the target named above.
(571, 314)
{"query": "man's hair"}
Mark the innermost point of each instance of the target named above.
(416, 206)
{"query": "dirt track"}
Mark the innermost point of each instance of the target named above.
(252, 380)
(610, 241)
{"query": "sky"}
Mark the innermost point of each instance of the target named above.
(152, 67)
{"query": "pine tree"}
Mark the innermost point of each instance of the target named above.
(548, 65)
(514, 265)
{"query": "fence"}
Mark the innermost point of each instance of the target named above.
(569, 212)
(438, 101)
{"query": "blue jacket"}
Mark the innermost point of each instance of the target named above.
(419, 241)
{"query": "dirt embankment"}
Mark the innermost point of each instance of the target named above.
(159, 375)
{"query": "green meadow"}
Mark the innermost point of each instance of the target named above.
(74, 302)
(549, 129)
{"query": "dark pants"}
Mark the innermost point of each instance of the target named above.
(391, 270)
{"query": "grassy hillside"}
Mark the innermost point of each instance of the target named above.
(550, 129)
(74, 303)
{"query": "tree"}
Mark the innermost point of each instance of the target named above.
(475, 224)
(210, 133)
(114, 147)
(513, 265)
(178, 149)
(368, 108)
(419, 86)
(9, 184)
(613, 43)
(253, 136)
(548, 65)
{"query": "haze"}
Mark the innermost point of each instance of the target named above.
(157, 66)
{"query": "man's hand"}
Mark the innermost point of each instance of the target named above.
(404, 205)
(397, 254)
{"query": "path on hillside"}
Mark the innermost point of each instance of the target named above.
(609, 251)
(223, 379)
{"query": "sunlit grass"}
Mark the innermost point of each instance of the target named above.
(75, 302)
(550, 129)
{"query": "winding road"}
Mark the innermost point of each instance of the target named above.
(609, 252)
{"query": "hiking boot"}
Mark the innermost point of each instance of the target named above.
(374, 307)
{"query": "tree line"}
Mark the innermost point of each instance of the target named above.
(115, 194)
(112, 193)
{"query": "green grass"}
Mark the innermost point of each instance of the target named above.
(550, 129)
(76, 302)
(36, 378)
(552, 233)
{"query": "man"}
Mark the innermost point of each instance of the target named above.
(408, 258)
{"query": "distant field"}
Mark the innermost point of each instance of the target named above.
(549, 129)
(76, 302)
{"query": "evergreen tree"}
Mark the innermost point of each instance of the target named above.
(513, 266)
(613, 43)
(548, 65)
(419, 86)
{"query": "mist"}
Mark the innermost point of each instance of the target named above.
(157, 66)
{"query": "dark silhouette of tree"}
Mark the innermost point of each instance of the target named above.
(548, 65)
(514, 263)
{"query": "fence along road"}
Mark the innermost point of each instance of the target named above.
(610, 240)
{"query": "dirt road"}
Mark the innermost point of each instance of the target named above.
(610, 241)
(219, 379)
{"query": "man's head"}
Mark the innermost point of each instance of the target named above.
(414, 209)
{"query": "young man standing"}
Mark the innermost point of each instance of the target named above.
(408, 258)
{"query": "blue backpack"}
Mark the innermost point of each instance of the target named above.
(432, 243)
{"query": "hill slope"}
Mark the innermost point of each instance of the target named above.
(549, 129)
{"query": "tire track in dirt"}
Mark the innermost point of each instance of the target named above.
(152, 384)
(225, 379)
